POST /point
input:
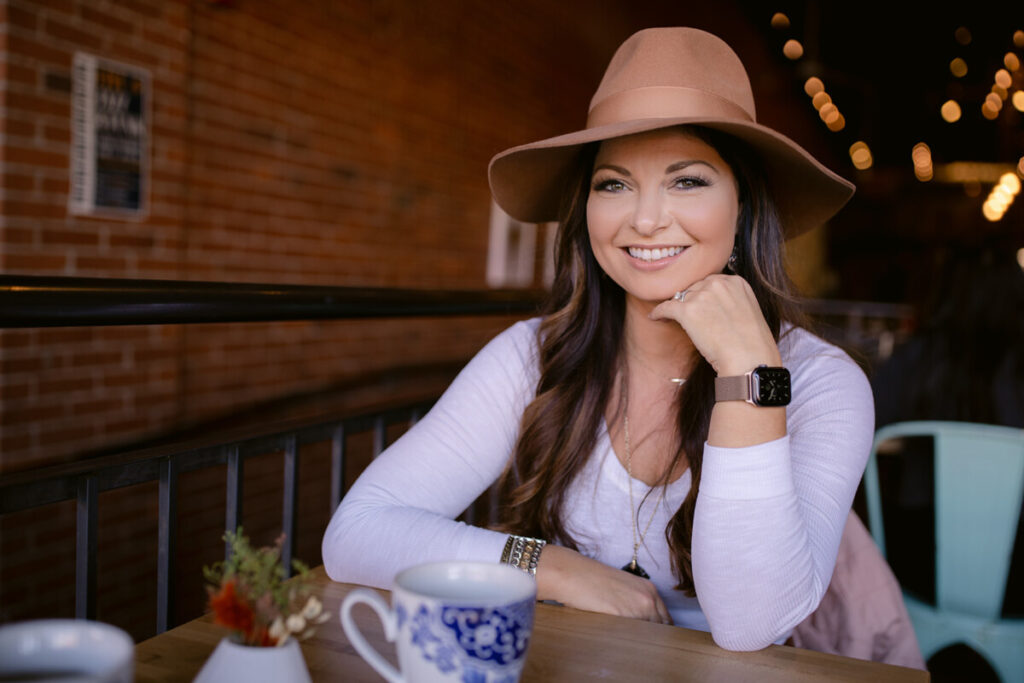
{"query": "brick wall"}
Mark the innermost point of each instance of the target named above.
(321, 142)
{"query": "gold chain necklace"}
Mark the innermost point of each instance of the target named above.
(633, 567)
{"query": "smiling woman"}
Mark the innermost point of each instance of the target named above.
(661, 212)
(668, 387)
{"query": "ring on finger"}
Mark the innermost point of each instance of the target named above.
(680, 296)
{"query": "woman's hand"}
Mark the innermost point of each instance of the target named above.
(570, 578)
(723, 320)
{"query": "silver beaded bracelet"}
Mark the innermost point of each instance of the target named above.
(523, 552)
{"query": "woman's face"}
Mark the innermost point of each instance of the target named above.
(661, 213)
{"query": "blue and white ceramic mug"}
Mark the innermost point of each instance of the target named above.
(451, 621)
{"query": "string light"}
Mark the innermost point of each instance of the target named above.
(813, 86)
(1001, 197)
(958, 68)
(860, 155)
(793, 49)
(1018, 100)
(1003, 79)
(1018, 38)
(951, 111)
(780, 20)
(922, 156)
(1011, 61)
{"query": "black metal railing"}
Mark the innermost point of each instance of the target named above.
(85, 480)
(29, 301)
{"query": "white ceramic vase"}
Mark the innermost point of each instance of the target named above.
(234, 662)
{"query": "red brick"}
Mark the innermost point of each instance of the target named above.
(34, 157)
(34, 263)
(113, 267)
(107, 21)
(70, 237)
(81, 39)
(16, 236)
(15, 181)
(63, 386)
(57, 133)
(19, 16)
(55, 185)
(34, 209)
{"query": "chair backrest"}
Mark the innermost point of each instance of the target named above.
(979, 485)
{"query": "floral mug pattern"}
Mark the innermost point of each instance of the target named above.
(479, 639)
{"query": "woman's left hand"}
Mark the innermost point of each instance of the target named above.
(721, 316)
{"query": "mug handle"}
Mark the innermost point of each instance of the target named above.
(365, 650)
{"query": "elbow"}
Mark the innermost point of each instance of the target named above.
(335, 542)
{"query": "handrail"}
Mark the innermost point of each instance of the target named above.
(83, 481)
(44, 301)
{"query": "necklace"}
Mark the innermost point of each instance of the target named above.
(674, 380)
(633, 567)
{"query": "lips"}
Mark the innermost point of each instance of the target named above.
(655, 254)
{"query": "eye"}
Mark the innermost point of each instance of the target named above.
(689, 181)
(609, 185)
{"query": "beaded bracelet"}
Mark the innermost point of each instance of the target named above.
(523, 553)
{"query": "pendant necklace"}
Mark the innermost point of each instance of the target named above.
(633, 567)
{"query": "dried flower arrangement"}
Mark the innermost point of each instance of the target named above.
(249, 595)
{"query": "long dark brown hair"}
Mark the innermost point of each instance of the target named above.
(580, 341)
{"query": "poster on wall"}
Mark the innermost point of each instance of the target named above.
(110, 104)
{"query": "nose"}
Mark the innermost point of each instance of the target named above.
(649, 214)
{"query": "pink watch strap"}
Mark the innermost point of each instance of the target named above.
(736, 388)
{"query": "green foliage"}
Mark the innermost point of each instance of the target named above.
(257, 571)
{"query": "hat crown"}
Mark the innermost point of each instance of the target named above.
(677, 57)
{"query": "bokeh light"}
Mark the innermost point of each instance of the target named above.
(1018, 100)
(813, 86)
(1011, 61)
(951, 111)
(793, 49)
(860, 155)
(962, 35)
(820, 100)
(1003, 79)
(958, 68)
(780, 20)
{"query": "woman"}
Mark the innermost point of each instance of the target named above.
(619, 423)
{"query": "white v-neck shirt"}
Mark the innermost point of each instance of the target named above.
(768, 518)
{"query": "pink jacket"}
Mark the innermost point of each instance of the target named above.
(862, 614)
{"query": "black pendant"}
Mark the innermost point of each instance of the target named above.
(636, 570)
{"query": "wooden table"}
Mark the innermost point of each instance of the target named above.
(567, 645)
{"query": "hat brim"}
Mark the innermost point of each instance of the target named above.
(528, 181)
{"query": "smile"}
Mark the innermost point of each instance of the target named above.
(652, 255)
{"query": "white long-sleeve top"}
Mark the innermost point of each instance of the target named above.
(766, 527)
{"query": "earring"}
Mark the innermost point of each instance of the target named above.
(734, 261)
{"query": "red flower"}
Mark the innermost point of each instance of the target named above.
(230, 610)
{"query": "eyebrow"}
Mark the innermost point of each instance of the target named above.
(671, 168)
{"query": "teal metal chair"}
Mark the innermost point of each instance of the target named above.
(979, 485)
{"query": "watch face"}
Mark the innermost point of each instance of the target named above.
(771, 387)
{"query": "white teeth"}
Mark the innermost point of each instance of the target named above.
(654, 254)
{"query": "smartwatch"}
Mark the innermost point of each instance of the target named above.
(762, 386)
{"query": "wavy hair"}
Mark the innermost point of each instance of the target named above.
(580, 342)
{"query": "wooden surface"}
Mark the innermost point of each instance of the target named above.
(567, 645)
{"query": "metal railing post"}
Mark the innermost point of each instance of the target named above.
(289, 518)
(85, 547)
(233, 499)
(167, 524)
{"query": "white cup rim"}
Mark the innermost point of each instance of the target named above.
(55, 643)
(516, 585)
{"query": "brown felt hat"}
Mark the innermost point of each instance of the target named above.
(662, 77)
